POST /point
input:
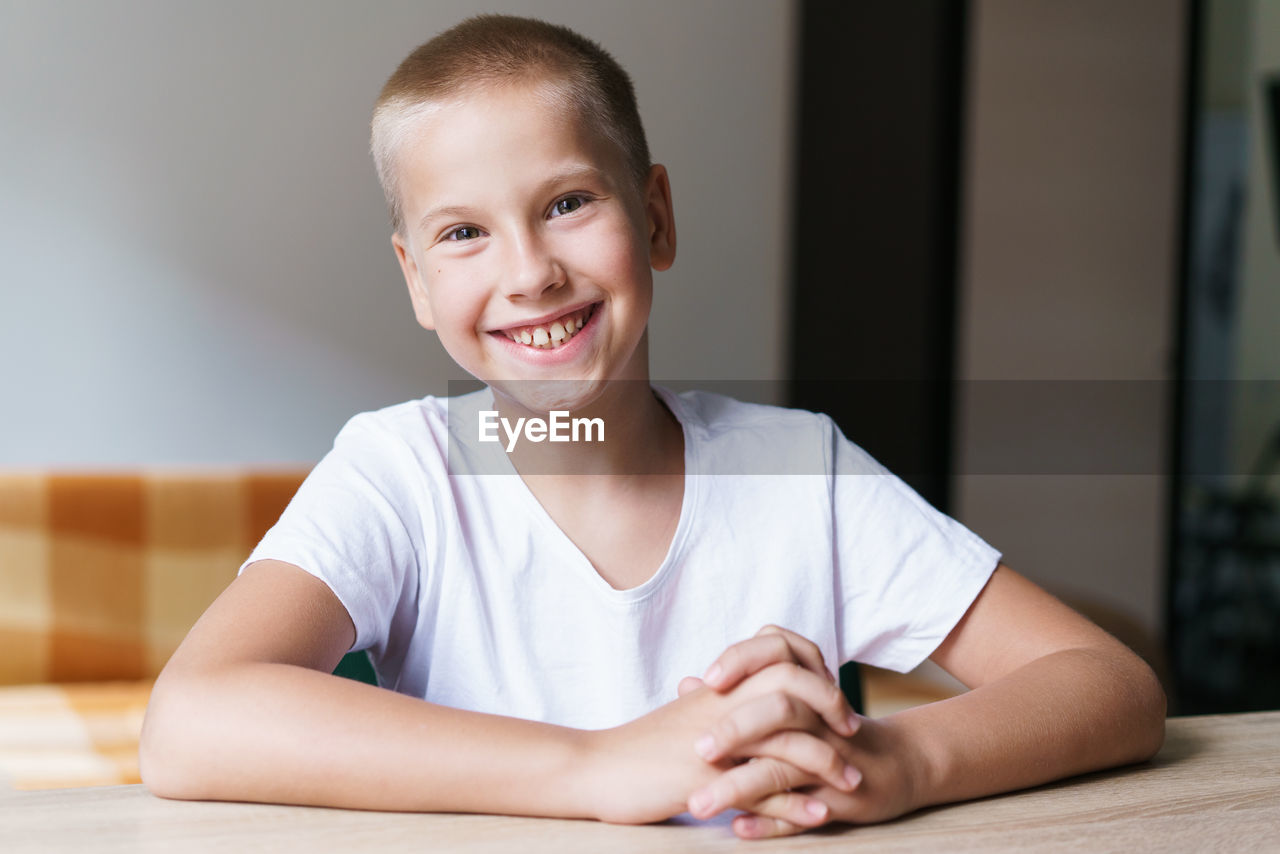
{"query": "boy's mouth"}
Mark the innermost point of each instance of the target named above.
(552, 334)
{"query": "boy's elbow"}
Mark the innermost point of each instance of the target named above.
(159, 773)
(1151, 709)
(163, 747)
(1159, 711)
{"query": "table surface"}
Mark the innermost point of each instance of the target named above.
(1214, 787)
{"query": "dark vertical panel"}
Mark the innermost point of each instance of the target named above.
(1271, 103)
(1181, 344)
(876, 211)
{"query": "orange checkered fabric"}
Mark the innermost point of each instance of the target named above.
(101, 577)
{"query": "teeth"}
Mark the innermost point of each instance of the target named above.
(550, 337)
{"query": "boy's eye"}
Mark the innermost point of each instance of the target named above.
(567, 205)
(466, 232)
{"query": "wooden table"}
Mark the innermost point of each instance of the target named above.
(1214, 787)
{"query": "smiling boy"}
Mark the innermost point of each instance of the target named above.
(533, 627)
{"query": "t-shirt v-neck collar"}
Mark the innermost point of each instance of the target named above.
(688, 503)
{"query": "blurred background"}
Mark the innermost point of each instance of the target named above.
(1025, 251)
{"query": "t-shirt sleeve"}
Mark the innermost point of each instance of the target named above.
(353, 525)
(905, 572)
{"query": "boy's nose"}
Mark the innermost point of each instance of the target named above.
(533, 269)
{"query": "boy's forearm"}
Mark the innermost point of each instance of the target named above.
(285, 734)
(1068, 713)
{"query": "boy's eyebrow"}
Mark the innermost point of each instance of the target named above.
(570, 173)
(583, 171)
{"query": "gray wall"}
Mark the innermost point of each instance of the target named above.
(1069, 268)
(195, 265)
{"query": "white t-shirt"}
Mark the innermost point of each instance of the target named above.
(467, 594)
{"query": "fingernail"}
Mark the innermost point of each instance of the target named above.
(749, 826)
(700, 802)
(852, 776)
(713, 674)
(705, 747)
(817, 809)
(853, 723)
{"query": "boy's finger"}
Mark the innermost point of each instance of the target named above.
(745, 658)
(755, 720)
(755, 654)
(687, 684)
(784, 814)
(759, 826)
(745, 785)
(806, 651)
(811, 754)
(822, 696)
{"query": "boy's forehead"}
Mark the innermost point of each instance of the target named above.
(544, 114)
(518, 136)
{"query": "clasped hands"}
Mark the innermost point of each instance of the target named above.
(767, 731)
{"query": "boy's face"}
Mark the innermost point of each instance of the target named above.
(526, 244)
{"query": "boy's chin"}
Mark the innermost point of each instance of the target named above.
(543, 396)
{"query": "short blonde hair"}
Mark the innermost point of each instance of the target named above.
(494, 49)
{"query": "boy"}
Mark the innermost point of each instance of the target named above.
(533, 625)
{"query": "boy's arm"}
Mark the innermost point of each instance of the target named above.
(1053, 695)
(247, 709)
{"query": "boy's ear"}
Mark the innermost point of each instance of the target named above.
(417, 289)
(661, 218)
